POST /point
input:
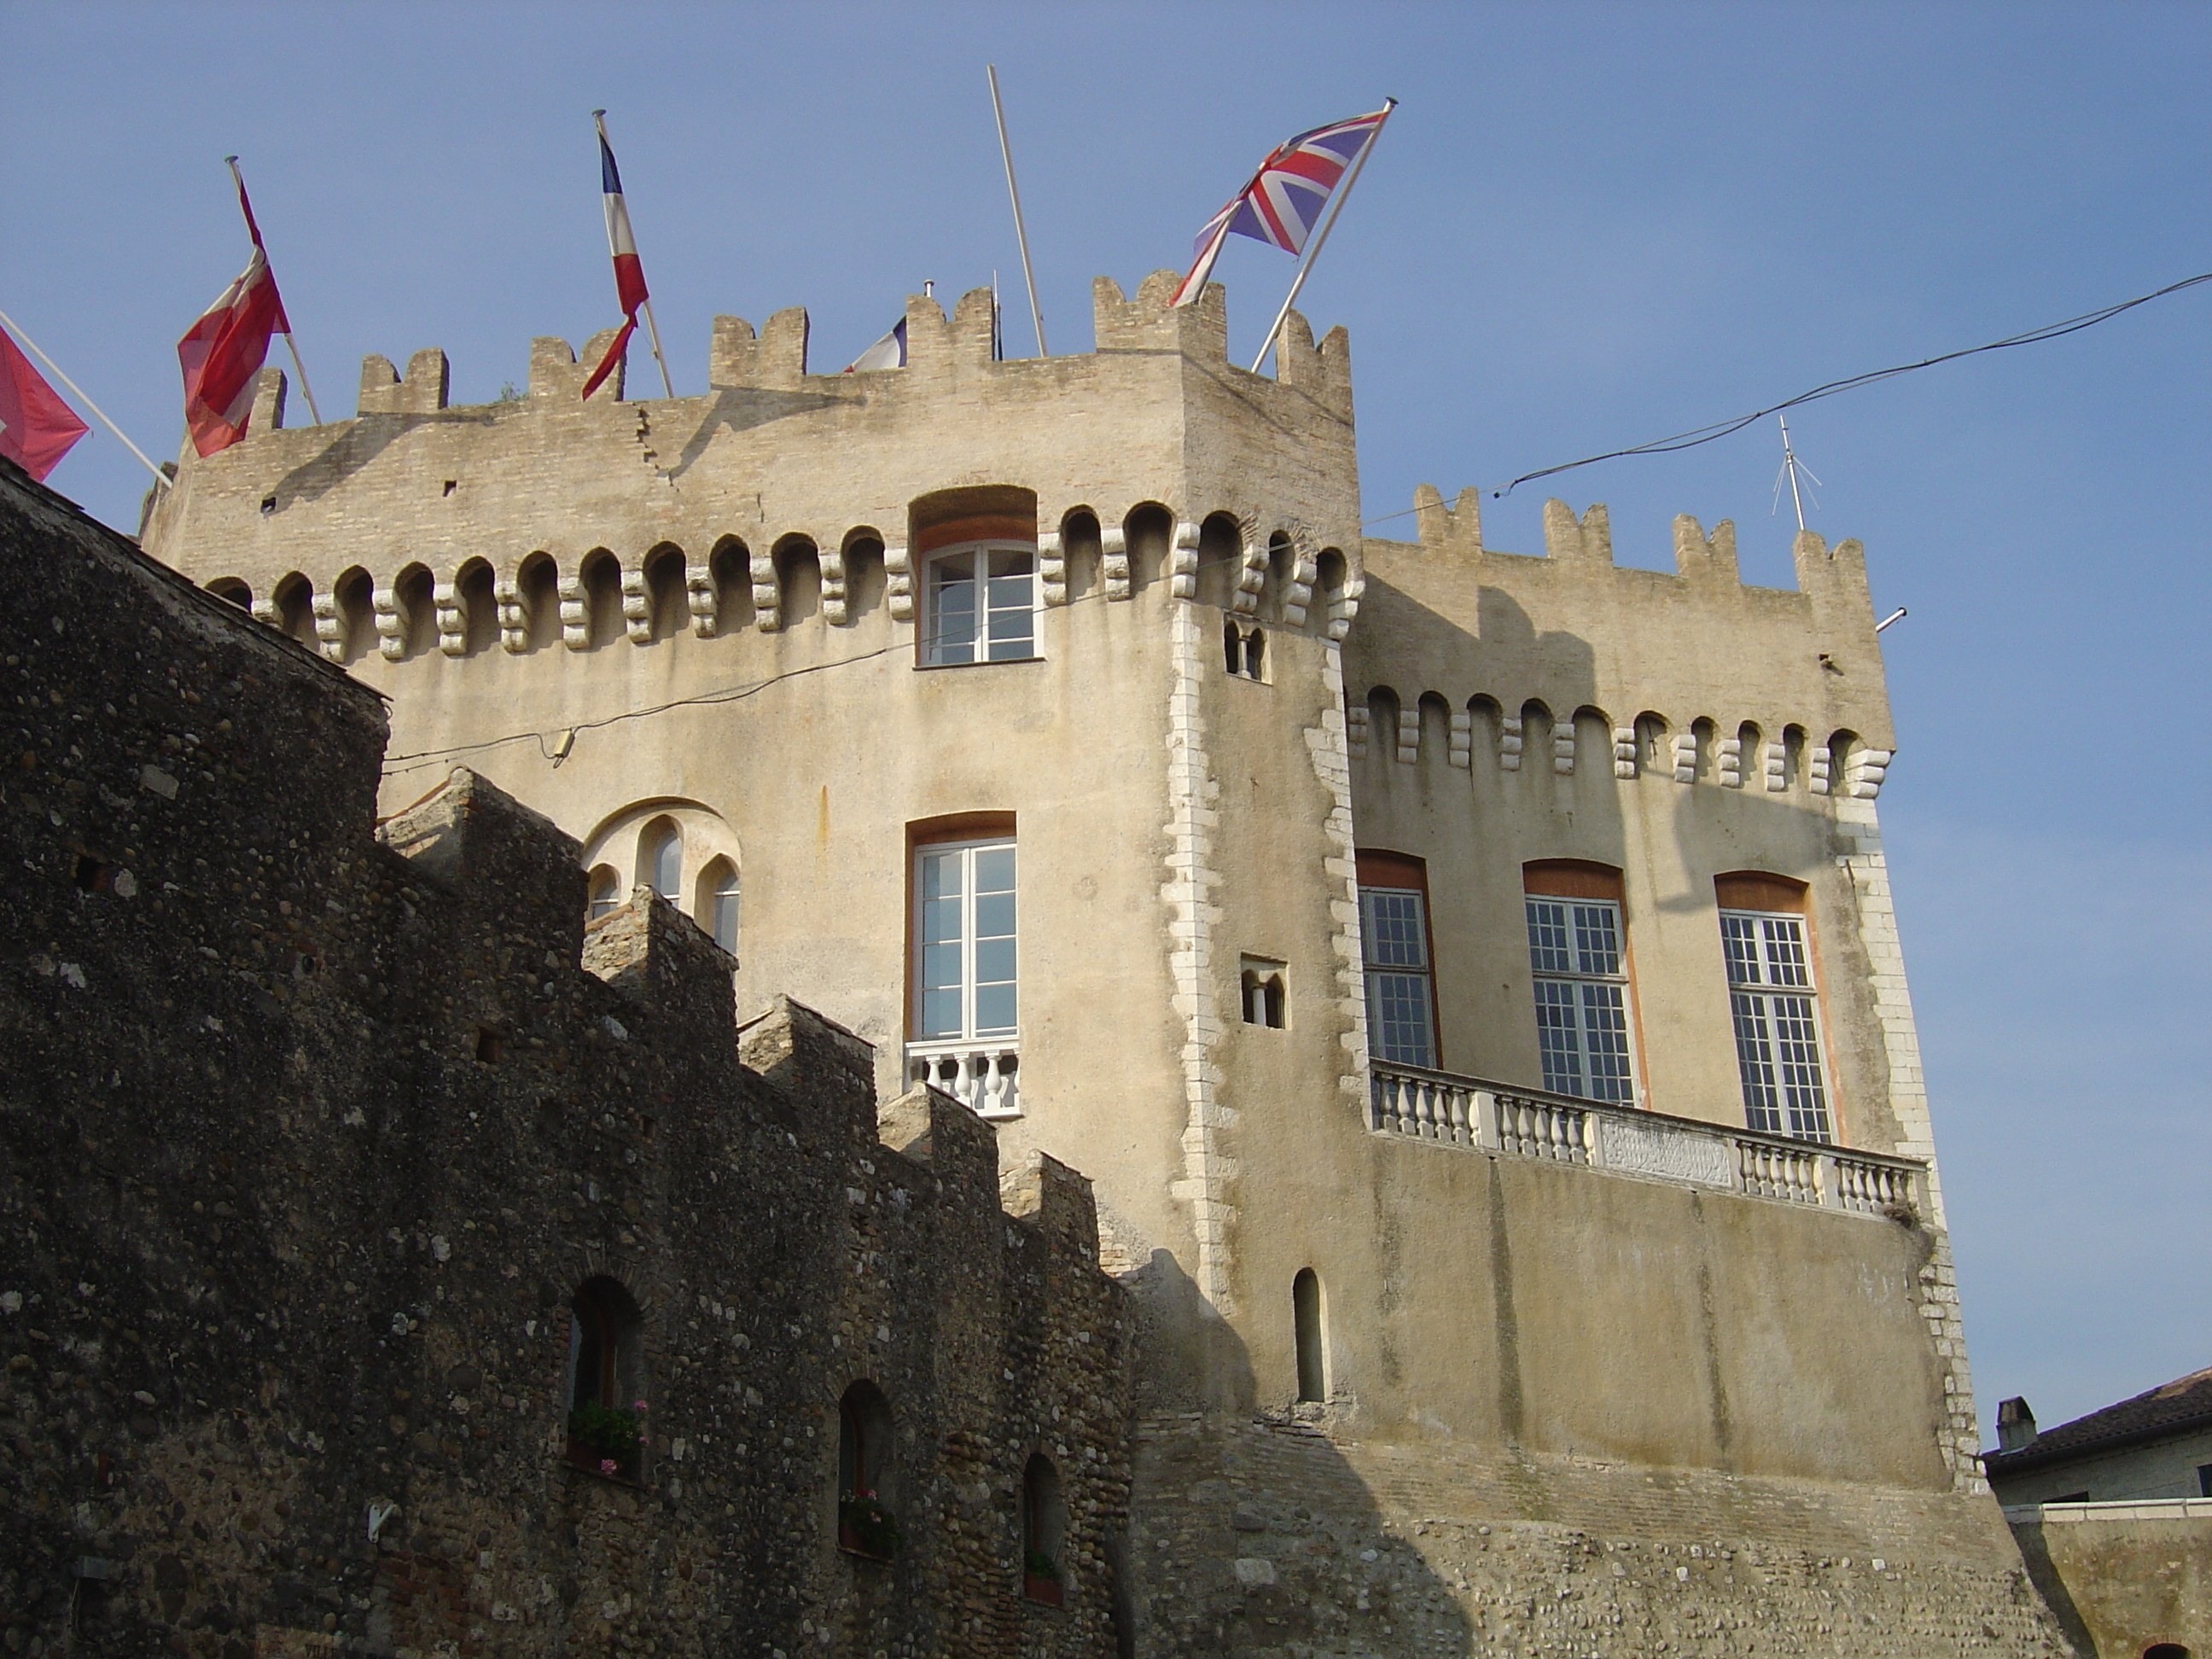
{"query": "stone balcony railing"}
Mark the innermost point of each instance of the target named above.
(1490, 1117)
(982, 1075)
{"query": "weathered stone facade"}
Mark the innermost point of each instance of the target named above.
(309, 1137)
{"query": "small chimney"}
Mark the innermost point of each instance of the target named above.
(2015, 1426)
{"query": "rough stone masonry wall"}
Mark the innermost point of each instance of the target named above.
(307, 1141)
(1281, 1536)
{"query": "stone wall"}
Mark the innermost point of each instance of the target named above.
(309, 1137)
(2124, 1578)
(1283, 1535)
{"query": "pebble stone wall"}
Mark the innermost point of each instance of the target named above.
(307, 1137)
(1279, 1538)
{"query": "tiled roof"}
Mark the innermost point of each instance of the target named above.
(2185, 1402)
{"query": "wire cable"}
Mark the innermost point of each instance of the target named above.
(1718, 430)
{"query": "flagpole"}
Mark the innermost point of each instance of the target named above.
(651, 328)
(1343, 192)
(291, 344)
(1021, 235)
(53, 369)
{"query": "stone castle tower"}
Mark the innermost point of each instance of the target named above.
(1469, 979)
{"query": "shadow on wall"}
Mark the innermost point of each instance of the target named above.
(1250, 1532)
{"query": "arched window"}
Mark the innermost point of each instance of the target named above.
(416, 589)
(668, 604)
(356, 591)
(295, 607)
(605, 1393)
(1044, 1527)
(538, 586)
(602, 580)
(718, 902)
(660, 859)
(479, 607)
(867, 1474)
(231, 591)
(605, 889)
(1305, 1320)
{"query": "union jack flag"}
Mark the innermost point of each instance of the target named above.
(1286, 196)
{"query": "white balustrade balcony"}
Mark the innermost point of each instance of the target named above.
(982, 1076)
(1490, 1117)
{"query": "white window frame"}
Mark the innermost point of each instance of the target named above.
(969, 945)
(1775, 1009)
(1380, 975)
(724, 906)
(1589, 988)
(982, 645)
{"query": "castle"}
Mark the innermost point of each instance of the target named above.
(1467, 980)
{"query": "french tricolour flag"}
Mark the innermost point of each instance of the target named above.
(630, 275)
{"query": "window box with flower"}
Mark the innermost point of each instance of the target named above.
(867, 1527)
(608, 1440)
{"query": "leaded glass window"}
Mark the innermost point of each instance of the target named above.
(1582, 998)
(1777, 1026)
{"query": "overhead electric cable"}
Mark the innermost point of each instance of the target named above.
(1705, 434)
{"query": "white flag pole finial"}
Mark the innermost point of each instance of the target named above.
(1791, 466)
(1305, 267)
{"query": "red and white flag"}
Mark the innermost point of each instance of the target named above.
(630, 275)
(1286, 196)
(222, 352)
(37, 429)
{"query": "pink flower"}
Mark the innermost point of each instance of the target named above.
(608, 1466)
(637, 1404)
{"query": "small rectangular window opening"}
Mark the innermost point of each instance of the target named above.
(490, 1044)
(1263, 986)
(94, 875)
(450, 485)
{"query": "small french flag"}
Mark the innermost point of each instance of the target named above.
(629, 275)
(890, 352)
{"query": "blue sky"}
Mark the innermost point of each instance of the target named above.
(1586, 227)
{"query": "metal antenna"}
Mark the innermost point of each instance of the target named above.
(1791, 466)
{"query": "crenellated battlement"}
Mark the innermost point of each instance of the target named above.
(782, 494)
(1566, 663)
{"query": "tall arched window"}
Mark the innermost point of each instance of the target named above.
(1305, 1320)
(606, 1408)
(605, 891)
(867, 1474)
(660, 859)
(1044, 1526)
(718, 902)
